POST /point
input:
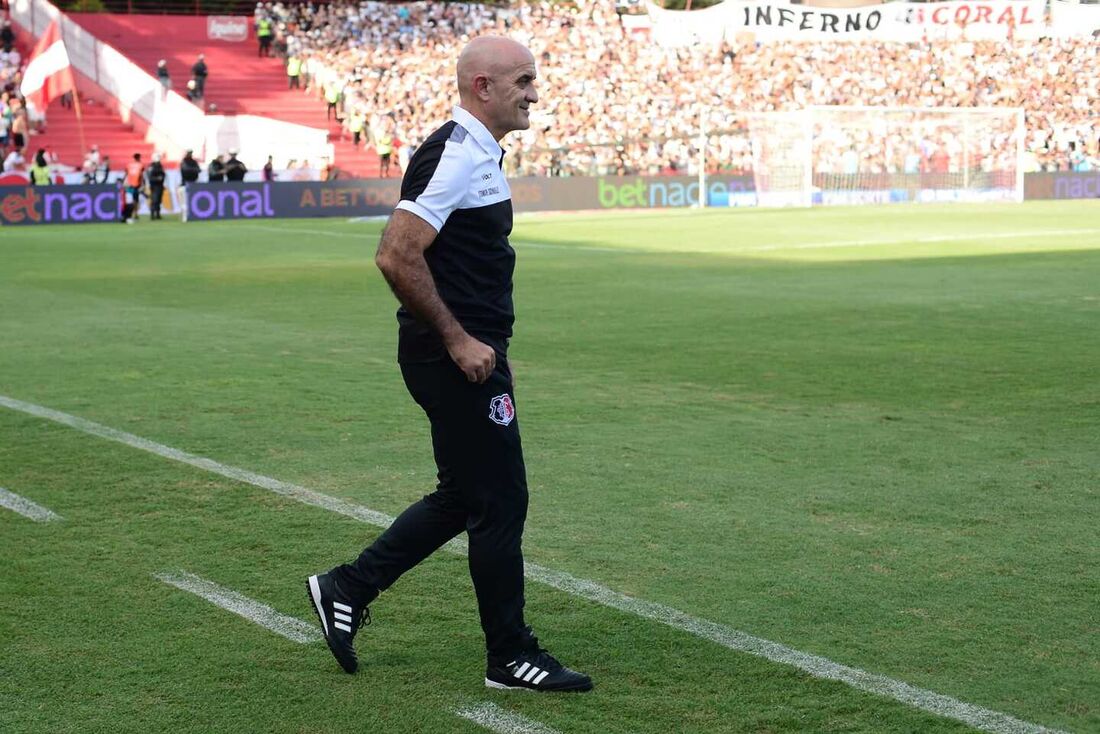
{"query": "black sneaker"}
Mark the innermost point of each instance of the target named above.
(340, 618)
(536, 670)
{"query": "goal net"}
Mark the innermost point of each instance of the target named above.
(868, 155)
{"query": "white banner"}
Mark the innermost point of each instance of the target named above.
(227, 28)
(1073, 20)
(776, 20)
(991, 20)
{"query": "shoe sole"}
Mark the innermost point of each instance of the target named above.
(503, 687)
(313, 591)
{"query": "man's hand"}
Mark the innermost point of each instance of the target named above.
(476, 359)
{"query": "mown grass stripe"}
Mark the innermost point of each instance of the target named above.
(976, 716)
(26, 508)
(494, 718)
(289, 627)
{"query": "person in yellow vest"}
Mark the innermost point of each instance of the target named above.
(265, 31)
(383, 145)
(332, 96)
(355, 126)
(40, 171)
(294, 72)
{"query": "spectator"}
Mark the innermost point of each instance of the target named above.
(269, 170)
(7, 36)
(617, 90)
(105, 170)
(20, 125)
(199, 72)
(15, 161)
(163, 77)
(90, 165)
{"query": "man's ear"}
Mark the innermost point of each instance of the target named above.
(481, 86)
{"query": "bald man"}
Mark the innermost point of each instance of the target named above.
(445, 254)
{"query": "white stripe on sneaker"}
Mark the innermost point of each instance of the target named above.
(341, 607)
(315, 594)
(342, 617)
(541, 675)
(341, 626)
(518, 672)
(531, 674)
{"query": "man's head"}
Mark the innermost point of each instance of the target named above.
(496, 83)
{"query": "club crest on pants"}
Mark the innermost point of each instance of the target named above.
(501, 409)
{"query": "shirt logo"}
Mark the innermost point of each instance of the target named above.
(501, 410)
(488, 192)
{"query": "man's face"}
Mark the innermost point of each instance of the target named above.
(512, 91)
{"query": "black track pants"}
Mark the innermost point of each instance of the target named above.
(482, 489)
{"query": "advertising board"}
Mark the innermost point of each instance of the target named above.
(30, 205)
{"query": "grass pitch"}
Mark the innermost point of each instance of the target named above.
(868, 434)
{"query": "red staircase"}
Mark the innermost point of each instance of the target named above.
(238, 81)
(102, 127)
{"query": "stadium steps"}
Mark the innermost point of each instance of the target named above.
(102, 127)
(239, 82)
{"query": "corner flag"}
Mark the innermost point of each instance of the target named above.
(49, 73)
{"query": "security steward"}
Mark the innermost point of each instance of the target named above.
(264, 33)
(445, 254)
(234, 169)
(156, 176)
(215, 172)
(40, 171)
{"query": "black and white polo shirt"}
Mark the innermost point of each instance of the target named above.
(455, 183)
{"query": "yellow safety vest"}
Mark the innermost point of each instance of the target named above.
(264, 28)
(385, 145)
(293, 66)
(40, 175)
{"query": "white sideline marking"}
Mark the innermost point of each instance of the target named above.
(293, 629)
(921, 240)
(301, 494)
(733, 250)
(494, 718)
(26, 508)
(930, 701)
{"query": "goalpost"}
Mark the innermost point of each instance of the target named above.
(879, 155)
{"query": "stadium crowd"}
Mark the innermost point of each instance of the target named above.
(620, 104)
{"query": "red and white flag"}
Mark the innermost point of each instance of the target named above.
(48, 74)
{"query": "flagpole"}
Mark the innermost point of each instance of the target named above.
(79, 118)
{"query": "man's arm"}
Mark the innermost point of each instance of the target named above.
(400, 257)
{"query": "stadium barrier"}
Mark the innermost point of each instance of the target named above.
(76, 204)
(1062, 185)
(29, 205)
